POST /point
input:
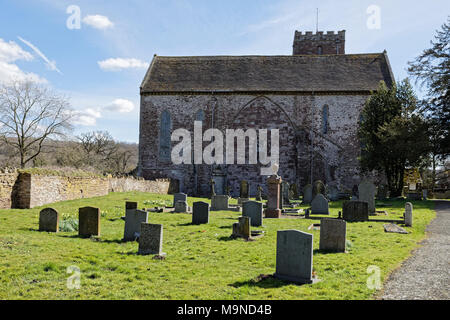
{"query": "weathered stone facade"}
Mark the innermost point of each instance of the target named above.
(7, 183)
(335, 153)
(314, 100)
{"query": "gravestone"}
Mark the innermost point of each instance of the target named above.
(382, 192)
(333, 193)
(243, 192)
(130, 205)
(133, 220)
(285, 193)
(366, 193)
(254, 210)
(213, 191)
(241, 229)
(355, 192)
(318, 188)
(332, 235)
(393, 228)
(294, 256)
(49, 220)
(294, 191)
(219, 203)
(179, 197)
(200, 212)
(307, 194)
(259, 194)
(181, 207)
(408, 214)
(355, 211)
(320, 205)
(424, 194)
(242, 200)
(150, 239)
(88, 222)
(273, 197)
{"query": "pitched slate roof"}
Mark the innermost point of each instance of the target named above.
(297, 73)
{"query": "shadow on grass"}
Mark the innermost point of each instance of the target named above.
(262, 281)
(229, 238)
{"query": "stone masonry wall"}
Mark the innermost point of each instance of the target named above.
(331, 156)
(27, 190)
(7, 182)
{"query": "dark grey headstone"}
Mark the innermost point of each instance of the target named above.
(49, 220)
(307, 194)
(241, 228)
(181, 207)
(354, 211)
(133, 220)
(332, 235)
(294, 256)
(150, 239)
(320, 205)
(366, 193)
(254, 210)
(200, 213)
(88, 222)
(219, 202)
(131, 205)
(179, 197)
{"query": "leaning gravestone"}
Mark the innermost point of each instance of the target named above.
(133, 220)
(181, 207)
(150, 239)
(219, 203)
(408, 214)
(254, 210)
(355, 211)
(294, 256)
(366, 191)
(49, 220)
(319, 205)
(88, 222)
(332, 235)
(179, 197)
(241, 229)
(307, 194)
(200, 212)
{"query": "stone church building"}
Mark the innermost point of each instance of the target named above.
(314, 97)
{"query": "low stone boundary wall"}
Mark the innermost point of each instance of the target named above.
(24, 190)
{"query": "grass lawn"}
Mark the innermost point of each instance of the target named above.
(201, 263)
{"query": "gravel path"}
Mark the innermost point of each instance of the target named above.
(426, 274)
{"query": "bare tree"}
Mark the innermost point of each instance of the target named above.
(30, 114)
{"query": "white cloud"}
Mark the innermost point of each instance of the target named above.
(117, 64)
(87, 117)
(121, 106)
(97, 21)
(11, 52)
(50, 64)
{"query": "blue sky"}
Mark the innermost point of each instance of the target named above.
(101, 65)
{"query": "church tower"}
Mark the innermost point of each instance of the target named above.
(319, 43)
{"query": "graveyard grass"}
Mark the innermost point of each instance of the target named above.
(202, 261)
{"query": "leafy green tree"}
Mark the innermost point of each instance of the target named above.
(432, 69)
(393, 134)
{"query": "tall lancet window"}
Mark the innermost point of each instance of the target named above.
(165, 128)
(319, 50)
(200, 115)
(325, 122)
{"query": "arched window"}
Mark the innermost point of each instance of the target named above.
(200, 115)
(325, 124)
(165, 128)
(319, 50)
